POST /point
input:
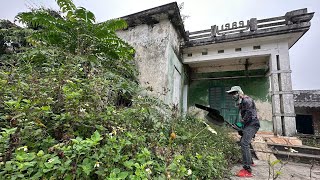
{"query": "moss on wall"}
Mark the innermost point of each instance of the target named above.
(230, 73)
(255, 87)
(174, 65)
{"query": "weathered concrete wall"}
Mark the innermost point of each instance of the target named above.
(157, 56)
(257, 88)
(175, 78)
(264, 109)
(316, 122)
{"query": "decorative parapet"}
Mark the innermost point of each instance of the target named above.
(293, 21)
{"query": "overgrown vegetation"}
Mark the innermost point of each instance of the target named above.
(71, 108)
(311, 140)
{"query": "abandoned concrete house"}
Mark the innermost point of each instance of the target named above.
(185, 68)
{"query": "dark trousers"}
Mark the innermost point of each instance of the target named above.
(248, 134)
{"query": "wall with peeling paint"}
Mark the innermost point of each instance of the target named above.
(157, 57)
(256, 87)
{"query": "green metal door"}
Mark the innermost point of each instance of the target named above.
(220, 100)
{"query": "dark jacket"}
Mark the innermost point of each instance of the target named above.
(248, 112)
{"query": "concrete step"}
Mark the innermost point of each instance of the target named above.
(283, 140)
(262, 151)
(300, 149)
(297, 157)
(302, 154)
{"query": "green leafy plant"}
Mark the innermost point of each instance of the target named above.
(274, 169)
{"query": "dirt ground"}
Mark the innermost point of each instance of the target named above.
(290, 171)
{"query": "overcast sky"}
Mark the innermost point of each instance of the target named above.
(304, 55)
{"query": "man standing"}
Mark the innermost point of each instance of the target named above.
(251, 125)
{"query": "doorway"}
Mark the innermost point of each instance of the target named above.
(304, 124)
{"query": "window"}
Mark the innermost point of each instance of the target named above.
(256, 47)
(238, 49)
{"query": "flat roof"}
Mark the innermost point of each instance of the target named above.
(306, 98)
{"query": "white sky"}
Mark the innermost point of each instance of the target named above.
(304, 55)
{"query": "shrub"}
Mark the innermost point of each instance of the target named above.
(129, 153)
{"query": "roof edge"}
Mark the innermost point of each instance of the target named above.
(155, 15)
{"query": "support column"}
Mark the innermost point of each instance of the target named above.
(274, 82)
(288, 118)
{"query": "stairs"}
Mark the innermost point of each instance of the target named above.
(296, 153)
(268, 147)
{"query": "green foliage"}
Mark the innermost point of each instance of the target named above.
(123, 153)
(12, 40)
(71, 108)
(205, 151)
(273, 166)
(4, 139)
(313, 141)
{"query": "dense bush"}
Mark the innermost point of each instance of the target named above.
(130, 151)
(71, 108)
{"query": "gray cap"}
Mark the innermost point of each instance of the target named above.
(235, 89)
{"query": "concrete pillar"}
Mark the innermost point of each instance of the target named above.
(285, 90)
(274, 82)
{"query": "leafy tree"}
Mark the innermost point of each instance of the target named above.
(71, 72)
(77, 33)
(12, 38)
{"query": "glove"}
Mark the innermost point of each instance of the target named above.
(239, 125)
(234, 126)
